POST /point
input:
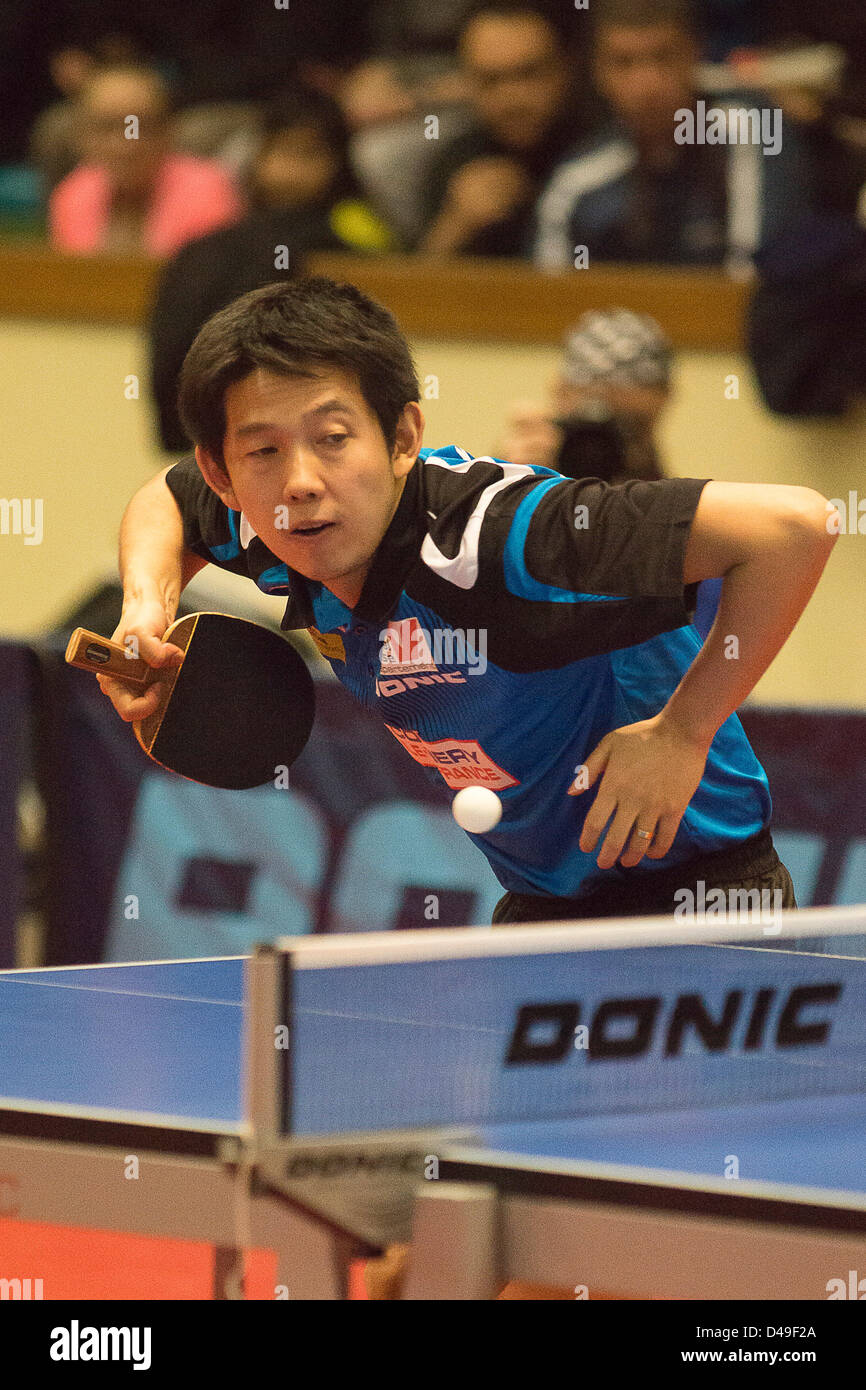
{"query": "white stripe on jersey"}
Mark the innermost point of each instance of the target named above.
(462, 569)
(574, 179)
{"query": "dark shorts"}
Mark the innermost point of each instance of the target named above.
(754, 864)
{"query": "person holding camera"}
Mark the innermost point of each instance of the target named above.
(605, 402)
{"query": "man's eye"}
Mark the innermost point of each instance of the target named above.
(260, 453)
(334, 440)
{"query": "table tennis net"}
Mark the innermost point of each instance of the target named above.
(501, 1038)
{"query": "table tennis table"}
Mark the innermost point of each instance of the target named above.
(643, 1109)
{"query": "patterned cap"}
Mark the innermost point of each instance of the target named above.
(619, 347)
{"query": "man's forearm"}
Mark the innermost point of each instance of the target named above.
(761, 602)
(154, 564)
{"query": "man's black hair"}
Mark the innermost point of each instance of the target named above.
(295, 329)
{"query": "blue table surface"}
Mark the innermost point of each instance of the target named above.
(161, 1039)
(817, 1142)
(164, 1039)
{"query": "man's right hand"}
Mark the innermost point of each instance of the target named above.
(140, 630)
(487, 190)
(532, 437)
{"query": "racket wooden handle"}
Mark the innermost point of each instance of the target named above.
(90, 652)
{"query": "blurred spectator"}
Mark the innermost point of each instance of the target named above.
(829, 115)
(387, 101)
(829, 107)
(303, 198)
(805, 323)
(528, 105)
(613, 383)
(302, 167)
(374, 93)
(225, 131)
(130, 194)
(602, 415)
(806, 334)
(831, 129)
(632, 192)
(393, 161)
(53, 144)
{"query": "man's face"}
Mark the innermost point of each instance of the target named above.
(295, 168)
(517, 76)
(647, 74)
(304, 452)
(131, 158)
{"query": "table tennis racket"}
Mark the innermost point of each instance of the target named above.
(239, 707)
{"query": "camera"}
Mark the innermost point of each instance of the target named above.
(593, 444)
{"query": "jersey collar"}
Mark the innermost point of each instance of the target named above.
(395, 556)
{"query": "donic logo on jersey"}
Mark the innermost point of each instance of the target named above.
(406, 659)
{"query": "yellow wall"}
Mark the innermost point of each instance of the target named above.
(71, 438)
(705, 435)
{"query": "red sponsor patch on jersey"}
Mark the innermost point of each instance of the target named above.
(405, 649)
(462, 762)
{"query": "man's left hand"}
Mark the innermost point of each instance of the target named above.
(649, 773)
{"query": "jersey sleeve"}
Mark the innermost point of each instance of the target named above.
(583, 568)
(210, 528)
(623, 541)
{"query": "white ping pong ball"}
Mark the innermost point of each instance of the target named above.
(476, 809)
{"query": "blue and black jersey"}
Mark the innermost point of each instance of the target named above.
(510, 619)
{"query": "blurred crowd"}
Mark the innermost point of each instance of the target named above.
(230, 139)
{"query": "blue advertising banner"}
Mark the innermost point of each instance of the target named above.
(17, 691)
(144, 865)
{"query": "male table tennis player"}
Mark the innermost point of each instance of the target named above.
(580, 693)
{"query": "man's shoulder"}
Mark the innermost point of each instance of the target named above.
(212, 246)
(459, 491)
(451, 460)
(254, 235)
(602, 163)
(597, 159)
(445, 454)
(447, 474)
